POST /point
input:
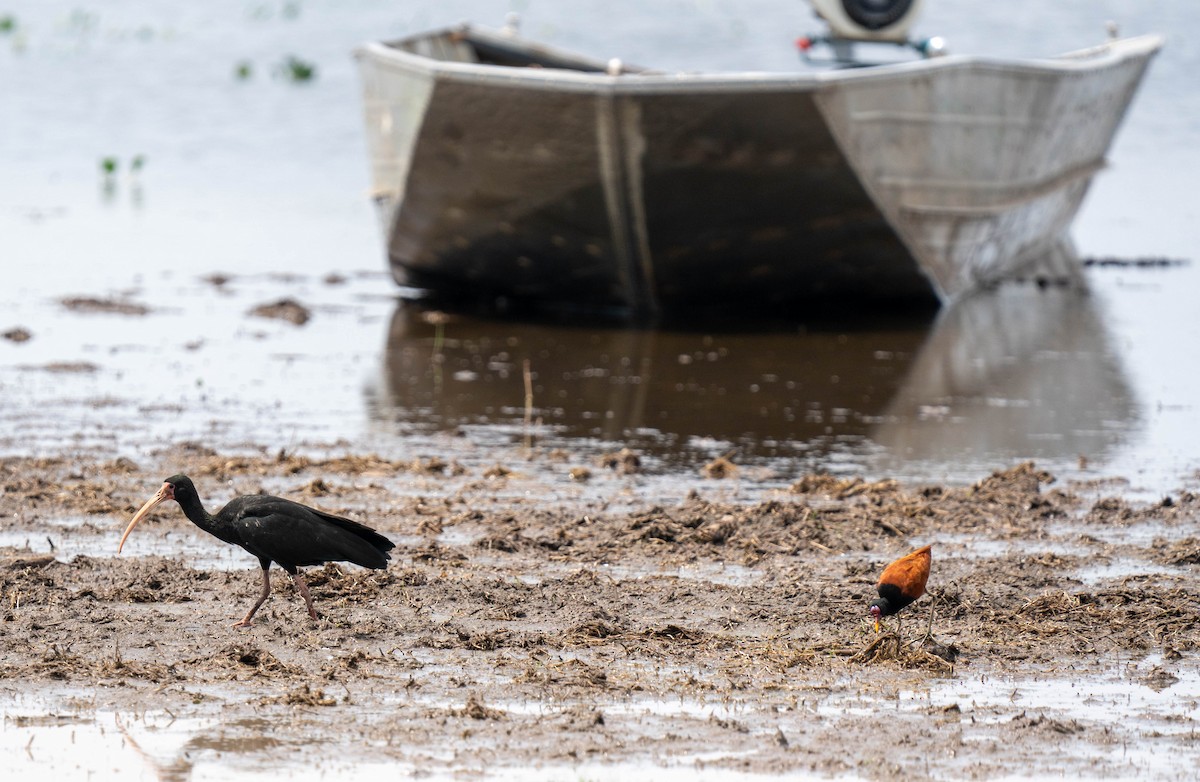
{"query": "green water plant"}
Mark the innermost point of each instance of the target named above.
(297, 70)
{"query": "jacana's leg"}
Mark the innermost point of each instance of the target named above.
(262, 598)
(302, 588)
(929, 627)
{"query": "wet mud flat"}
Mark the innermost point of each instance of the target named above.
(528, 631)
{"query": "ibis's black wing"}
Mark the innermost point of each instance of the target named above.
(291, 534)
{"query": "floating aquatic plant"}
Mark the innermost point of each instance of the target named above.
(297, 70)
(110, 164)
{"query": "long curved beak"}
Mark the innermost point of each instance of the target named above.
(167, 492)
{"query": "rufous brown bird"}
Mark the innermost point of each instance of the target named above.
(275, 530)
(901, 583)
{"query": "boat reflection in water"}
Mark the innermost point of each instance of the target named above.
(1015, 373)
(675, 395)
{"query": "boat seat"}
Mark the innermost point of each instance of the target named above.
(444, 49)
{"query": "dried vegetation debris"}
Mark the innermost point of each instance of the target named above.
(202, 461)
(622, 462)
(572, 604)
(1117, 511)
(90, 305)
(720, 468)
(891, 648)
(286, 309)
(240, 658)
(1134, 620)
(1185, 551)
(303, 696)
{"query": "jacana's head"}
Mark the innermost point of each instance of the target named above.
(876, 610)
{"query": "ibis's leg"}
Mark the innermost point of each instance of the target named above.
(302, 588)
(262, 598)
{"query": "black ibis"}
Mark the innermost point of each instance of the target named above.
(901, 583)
(275, 530)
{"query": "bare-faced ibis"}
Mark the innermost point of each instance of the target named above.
(901, 583)
(275, 530)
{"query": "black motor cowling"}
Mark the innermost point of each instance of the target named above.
(868, 20)
(876, 14)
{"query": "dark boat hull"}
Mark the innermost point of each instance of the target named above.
(654, 193)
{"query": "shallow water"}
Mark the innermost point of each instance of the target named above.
(259, 178)
(76, 740)
(157, 746)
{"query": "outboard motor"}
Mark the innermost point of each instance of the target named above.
(868, 21)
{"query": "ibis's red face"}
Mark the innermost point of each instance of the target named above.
(167, 492)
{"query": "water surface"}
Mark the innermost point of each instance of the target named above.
(258, 177)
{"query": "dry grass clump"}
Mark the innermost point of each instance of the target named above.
(891, 648)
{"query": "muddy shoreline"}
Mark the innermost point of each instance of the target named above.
(518, 630)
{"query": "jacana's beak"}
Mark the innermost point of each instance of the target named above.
(876, 621)
(167, 492)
